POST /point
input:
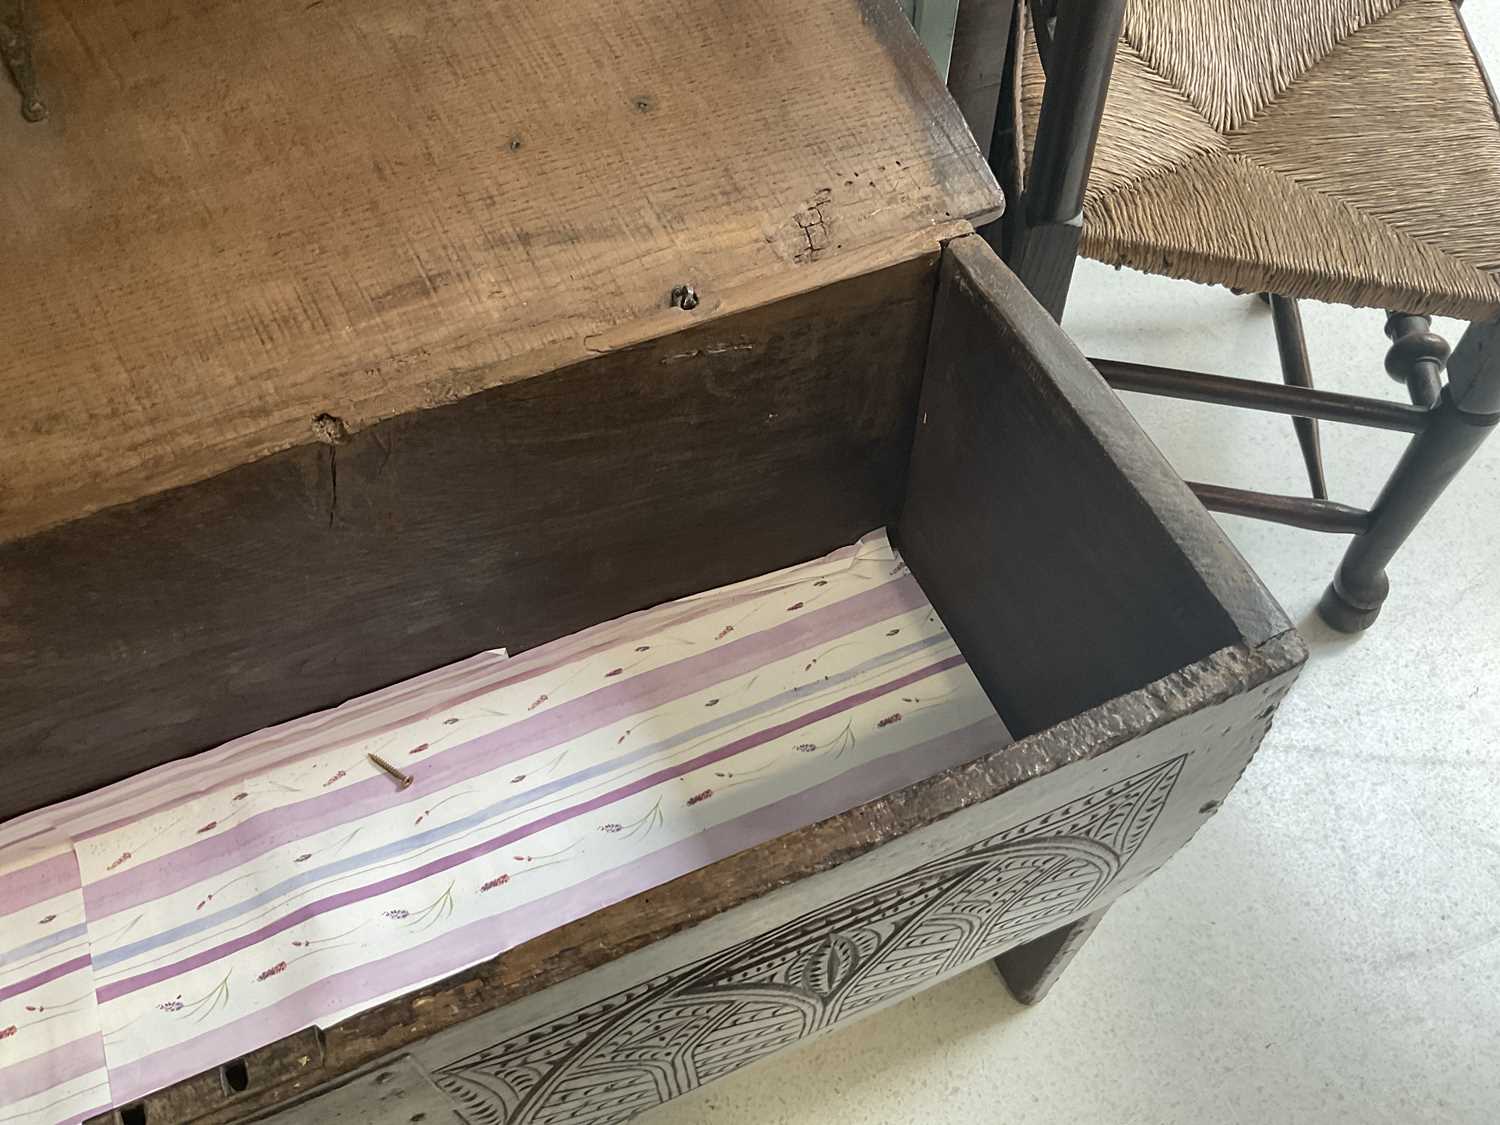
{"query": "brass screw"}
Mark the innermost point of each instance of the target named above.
(403, 780)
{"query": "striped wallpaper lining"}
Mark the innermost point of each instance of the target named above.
(183, 917)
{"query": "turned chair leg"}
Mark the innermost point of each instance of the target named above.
(1030, 970)
(1044, 246)
(1461, 417)
(1297, 372)
(1416, 356)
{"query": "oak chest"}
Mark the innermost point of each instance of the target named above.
(342, 341)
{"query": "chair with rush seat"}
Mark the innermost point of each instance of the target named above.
(1339, 150)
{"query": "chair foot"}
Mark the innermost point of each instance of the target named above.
(1463, 414)
(1031, 969)
(1339, 612)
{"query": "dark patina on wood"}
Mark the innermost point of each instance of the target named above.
(524, 513)
(266, 442)
(726, 346)
(1184, 712)
(1089, 728)
(1091, 535)
(981, 46)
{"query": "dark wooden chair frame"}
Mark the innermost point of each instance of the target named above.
(1039, 239)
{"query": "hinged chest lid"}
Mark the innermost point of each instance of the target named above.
(240, 218)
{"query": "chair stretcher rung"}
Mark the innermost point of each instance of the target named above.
(1305, 402)
(1294, 511)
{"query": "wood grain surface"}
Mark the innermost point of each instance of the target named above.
(241, 216)
(1067, 559)
(981, 42)
(741, 444)
(1060, 552)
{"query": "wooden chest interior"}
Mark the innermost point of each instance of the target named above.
(715, 453)
(1101, 609)
(477, 371)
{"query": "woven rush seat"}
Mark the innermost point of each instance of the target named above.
(1341, 150)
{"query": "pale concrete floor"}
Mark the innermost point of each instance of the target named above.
(1328, 948)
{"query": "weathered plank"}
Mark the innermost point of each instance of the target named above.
(1067, 559)
(791, 898)
(743, 444)
(239, 217)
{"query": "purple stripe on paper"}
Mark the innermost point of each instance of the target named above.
(499, 813)
(116, 989)
(849, 790)
(9, 838)
(46, 976)
(51, 1068)
(261, 833)
(286, 742)
(363, 986)
(40, 881)
(265, 749)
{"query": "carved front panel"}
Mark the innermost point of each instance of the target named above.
(638, 1048)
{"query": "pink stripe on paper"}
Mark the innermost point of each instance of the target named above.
(116, 989)
(46, 976)
(363, 986)
(39, 882)
(265, 831)
(51, 1068)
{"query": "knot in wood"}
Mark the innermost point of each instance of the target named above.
(330, 429)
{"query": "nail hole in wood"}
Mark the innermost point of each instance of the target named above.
(236, 1076)
(1208, 807)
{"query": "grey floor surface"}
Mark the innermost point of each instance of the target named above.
(1328, 948)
